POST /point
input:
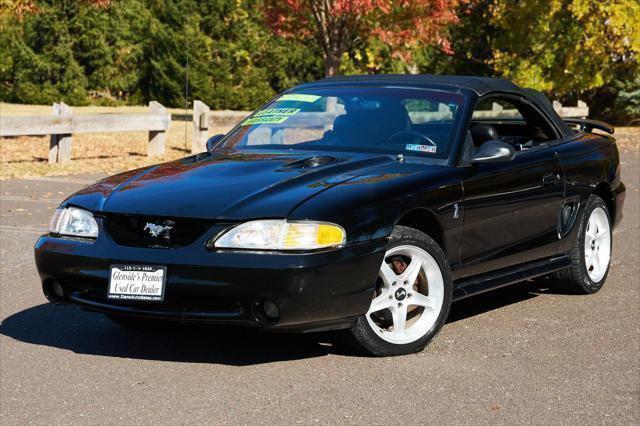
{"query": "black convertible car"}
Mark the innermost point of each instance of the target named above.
(366, 204)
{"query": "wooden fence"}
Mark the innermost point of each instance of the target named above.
(63, 124)
(581, 110)
(204, 119)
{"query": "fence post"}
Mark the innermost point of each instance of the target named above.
(60, 145)
(157, 138)
(200, 127)
(584, 108)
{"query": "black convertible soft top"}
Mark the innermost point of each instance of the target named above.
(480, 85)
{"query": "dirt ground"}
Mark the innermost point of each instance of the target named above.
(115, 152)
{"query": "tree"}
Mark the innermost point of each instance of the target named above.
(570, 49)
(337, 25)
(64, 50)
(134, 51)
(565, 46)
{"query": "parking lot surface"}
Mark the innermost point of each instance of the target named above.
(523, 354)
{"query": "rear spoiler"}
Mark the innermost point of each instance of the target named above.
(587, 125)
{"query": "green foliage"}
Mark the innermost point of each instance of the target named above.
(617, 102)
(569, 49)
(627, 104)
(133, 51)
(564, 46)
(38, 63)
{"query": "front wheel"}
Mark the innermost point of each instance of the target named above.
(411, 300)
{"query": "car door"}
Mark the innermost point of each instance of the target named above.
(511, 210)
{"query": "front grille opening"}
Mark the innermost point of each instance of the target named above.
(154, 231)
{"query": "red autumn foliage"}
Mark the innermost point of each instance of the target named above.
(336, 24)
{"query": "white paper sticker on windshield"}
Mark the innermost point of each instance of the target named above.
(421, 148)
(300, 97)
(274, 119)
(277, 111)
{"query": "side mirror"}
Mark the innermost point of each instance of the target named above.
(494, 152)
(213, 140)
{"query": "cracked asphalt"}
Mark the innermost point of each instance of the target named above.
(523, 354)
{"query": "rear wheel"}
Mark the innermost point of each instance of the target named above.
(411, 299)
(591, 254)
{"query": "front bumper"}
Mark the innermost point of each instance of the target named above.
(313, 291)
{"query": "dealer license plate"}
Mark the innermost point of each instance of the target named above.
(137, 282)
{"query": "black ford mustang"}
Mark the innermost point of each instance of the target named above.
(365, 204)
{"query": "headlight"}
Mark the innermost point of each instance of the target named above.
(75, 222)
(282, 235)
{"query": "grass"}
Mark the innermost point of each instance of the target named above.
(26, 156)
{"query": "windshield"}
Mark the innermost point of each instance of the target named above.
(386, 120)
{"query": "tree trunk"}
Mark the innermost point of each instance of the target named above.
(331, 65)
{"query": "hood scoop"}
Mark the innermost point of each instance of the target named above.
(311, 162)
(195, 158)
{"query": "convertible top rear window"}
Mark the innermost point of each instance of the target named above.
(386, 120)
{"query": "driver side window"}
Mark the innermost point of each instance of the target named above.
(509, 120)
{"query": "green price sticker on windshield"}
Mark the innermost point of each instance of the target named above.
(275, 119)
(299, 97)
(277, 111)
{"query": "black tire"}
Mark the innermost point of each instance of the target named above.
(576, 279)
(362, 338)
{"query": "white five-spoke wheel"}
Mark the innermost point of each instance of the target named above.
(597, 244)
(411, 297)
(591, 253)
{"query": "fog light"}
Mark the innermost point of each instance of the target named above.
(265, 312)
(270, 309)
(58, 290)
(53, 291)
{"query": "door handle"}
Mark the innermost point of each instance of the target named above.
(551, 179)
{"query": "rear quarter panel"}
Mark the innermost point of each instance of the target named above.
(587, 161)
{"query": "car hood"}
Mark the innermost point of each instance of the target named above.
(232, 185)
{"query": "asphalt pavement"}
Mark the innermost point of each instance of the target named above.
(523, 354)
